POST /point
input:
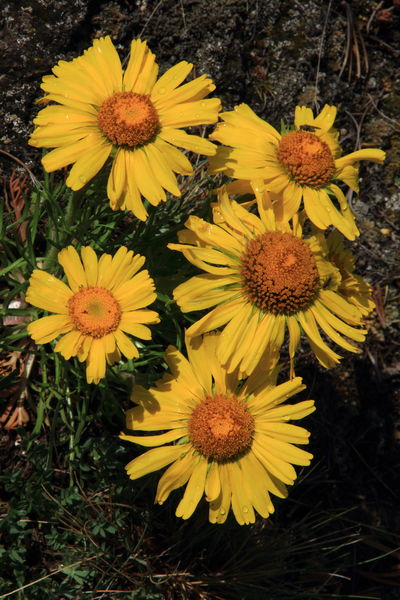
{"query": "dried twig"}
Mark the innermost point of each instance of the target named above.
(321, 43)
(354, 42)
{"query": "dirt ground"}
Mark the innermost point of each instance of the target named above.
(273, 55)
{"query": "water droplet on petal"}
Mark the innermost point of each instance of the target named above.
(222, 511)
(245, 509)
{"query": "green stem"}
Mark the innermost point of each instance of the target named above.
(70, 215)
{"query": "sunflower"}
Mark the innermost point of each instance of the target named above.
(102, 110)
(262, 277)
(231, 438)
(302, 164)
(104, 299)
(354, 288)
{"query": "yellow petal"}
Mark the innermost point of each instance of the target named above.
(145, 179)
(314, 209)
(155, 440)
(196, 89)
(279, 468)
(162, 172)
(106, 63)
(96, 361)
(290, 412)
(47, 292)
(48, 328)
(89, 164)
(198, 359)
(154, 459)
(269, 397)
(132, 322)
(326, 356)
(219, 508)
(125, 345)
(194, 143)
(326, 117)
(175, 476)
(175, 159)
(141, 72)
(233, 334)
(303, 116)
(261, 341)
(241, 505)
(255, 484)
(338, 305)
(65, 155)
(67, 117)
(70, 344)
(132, 200)
(70, 261)
(294, 336)
(135, 293)
(117, 180)
(170, 80)
(372, 154)
(182, 370)
(285, 432)
(194, 490)
(90, 264)
(216, 318)
(212, 486)
(201, 112)
(287, 452)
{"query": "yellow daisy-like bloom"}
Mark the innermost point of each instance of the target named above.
(232, 442)
(302, 164)
(103, 110)
(354, 288)
(104, 300)
(263, 277)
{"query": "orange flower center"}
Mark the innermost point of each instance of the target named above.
(306, 158)
(279, 273)
(94, 311)
(221, 427)
(128, 119)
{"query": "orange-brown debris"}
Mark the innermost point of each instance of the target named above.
(221, 427)
(94, 311)
(279, 273)
(306, 158)
(128, 119)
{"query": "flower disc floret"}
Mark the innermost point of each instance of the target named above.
(94, 311)
(279, 273)
(221, 427)
(128, 119)
(306, 158)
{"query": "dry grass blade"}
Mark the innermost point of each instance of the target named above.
(354, 43)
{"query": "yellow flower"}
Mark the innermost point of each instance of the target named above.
(263, 277)
(232, 440)
(104, 299)
(302, 164)
(354, 288)
(102, 110)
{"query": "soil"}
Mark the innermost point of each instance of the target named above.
(272, 55)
